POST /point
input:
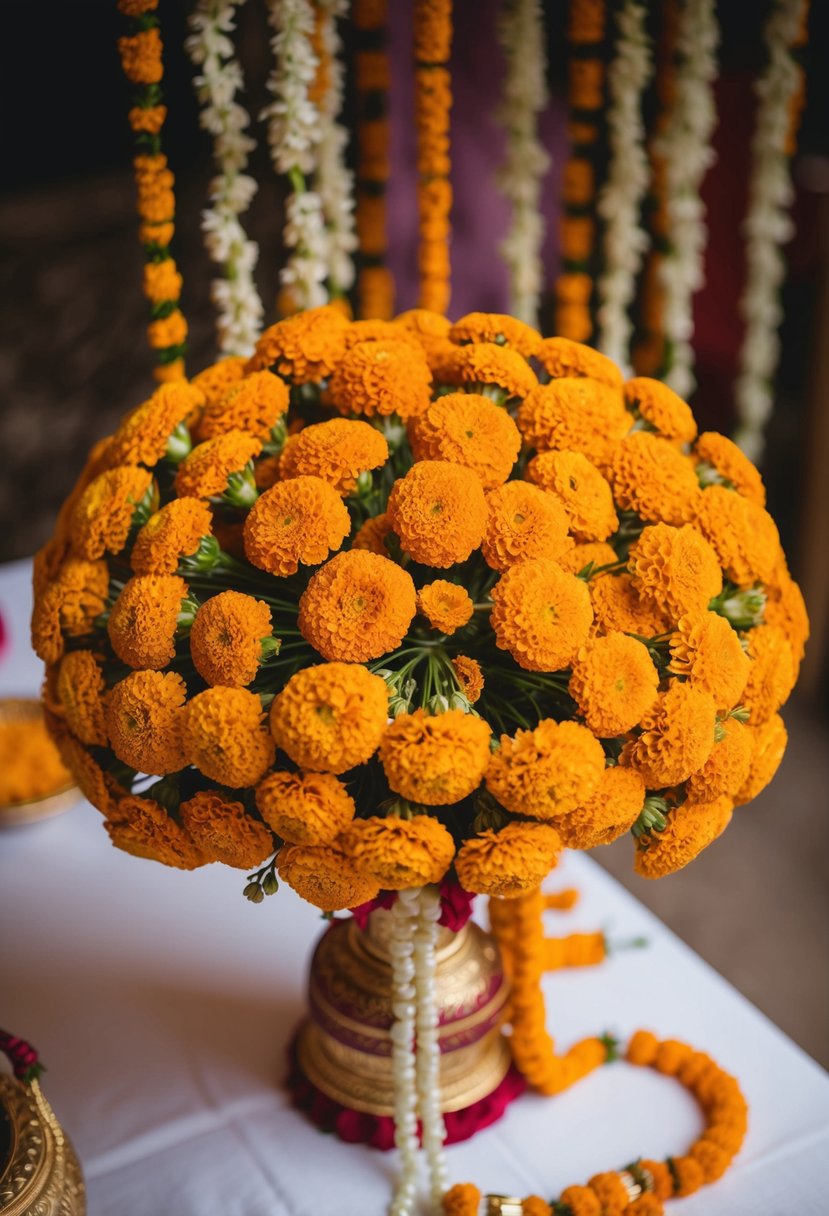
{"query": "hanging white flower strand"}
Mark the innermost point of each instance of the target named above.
(685, 147)
(522, 37)
(293, 138)
(210, 47)
(335, 182)
(768, 225)
(404, 913)
(428, 1047)
(620, 201)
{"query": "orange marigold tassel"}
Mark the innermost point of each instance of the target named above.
(375, 284)
(433, 102)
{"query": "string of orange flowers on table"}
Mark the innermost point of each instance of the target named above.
(375, 284)
(585, 98)
(433, 102)
(141, 53)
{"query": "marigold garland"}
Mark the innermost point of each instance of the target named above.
(433, 101)
(375, 285)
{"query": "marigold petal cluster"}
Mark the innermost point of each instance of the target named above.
(142, 827)
(468, 429)
(381, 378)
(103, 516)
(337, 451)
(143, 435)
(204, 473)
(574, 414)
(546, 772)
(470, 677)
(771, 675)
(612, 810)
(80, 690)
(498, 328)
(582, 491)
(325, 876)
(226, 638)
(305, 808)
(30, 764)
(677, 737)
(541, 615)
(372, 535)
(331, 717)
(587, 554)
(691, 828)
(730, 465)
(398, 853)
(144, 720)
(677, 568)
(661, 408)
(224, 832)
(507, 863)
(224, 737)
(651, 477)
(144, 619)
(68, 606)
(742, 533)
(303, 348)
(446, 606)
(358, 606)
(562, 357)
(485, 363)
(96, 786)
(618, 606)
(769, 740)
(301, 520)
(253, 405)
(173, 532)
(786, 608)
(435, 759)
(523, 523)
(215, 380)
(614, 684)
(726, 769)
(439, 512)
(706, 649)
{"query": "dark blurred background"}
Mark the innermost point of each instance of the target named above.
(73, 359)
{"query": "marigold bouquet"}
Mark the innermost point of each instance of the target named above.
(396, 600)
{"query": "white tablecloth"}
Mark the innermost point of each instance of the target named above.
(162, 1003)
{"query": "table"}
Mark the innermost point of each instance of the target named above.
(163, 1003)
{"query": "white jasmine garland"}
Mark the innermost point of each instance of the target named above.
(767, 226)
(335, 182)
(521, 33)
(685, 147)
(428, 1046)
(620, 201)
(404, 914)
(210, 47)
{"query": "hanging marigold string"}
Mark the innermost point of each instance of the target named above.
(375, 285)
(768, 224)
(585, 99)
(433, 102)
(141, 59)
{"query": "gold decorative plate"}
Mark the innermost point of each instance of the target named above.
(39, 1172)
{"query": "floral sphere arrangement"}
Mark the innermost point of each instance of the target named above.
(392, 601)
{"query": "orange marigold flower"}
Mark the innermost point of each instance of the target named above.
(381, 378)
(484, 363)
(299, 520)
(141, 56)
(719, 459)
(96, 786)
(226, 638)
(357, 607)
(462, 1199)
(677, 568)
(435, 759)
(741, 532)
(505, 864)
(372, 535)
(580, 1199)
(337, 451)
(80, 691)
(649, 476)
(468, 429)
(786, 608)
(224, 832)
(574, 414)
(174, 532)
(144, 718)
(469, 676)
(375, 329)
(614, 684)
(303, 348)
(707, 650)
(726, 769)
(204, 473)
(223, 736)
(769, 739)
(431, 330)
(331, 717)
(662, 408)
(771, 674)
(143, 622)
(68, 605)
(582, 491)
(253, 405)
(170, 331)
(497, 328)
(215, 380)
(104, 513)
(142, 827)
(677, 737)
(592, 553)
(541, 615)
(546, 772)
(399, 853)
(523, 522)
(691, 828)
(325, 876)
(562, 357)
(305, 808)
(611, 810)
(162, 282)
(445, 605)
(439, 512)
